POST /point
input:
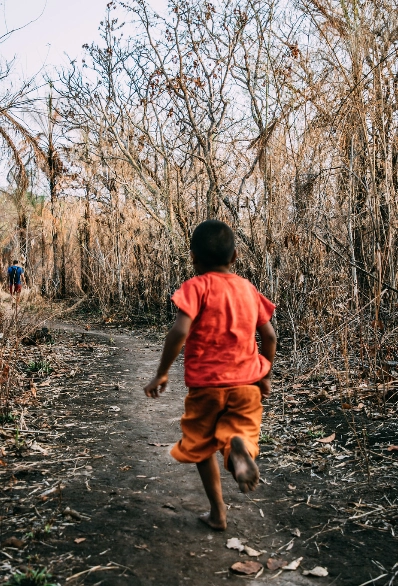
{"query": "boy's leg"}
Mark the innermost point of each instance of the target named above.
(238, 431)
(242, 465)
(210, 474)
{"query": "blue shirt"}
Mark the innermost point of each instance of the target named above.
(18, 272)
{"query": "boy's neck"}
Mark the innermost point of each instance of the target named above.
(202, 270)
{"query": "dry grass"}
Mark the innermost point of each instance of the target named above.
(302, 163)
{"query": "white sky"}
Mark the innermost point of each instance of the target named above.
(64, 27)
(61, 26)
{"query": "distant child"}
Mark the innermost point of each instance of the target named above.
(15, 279)
(218, 316)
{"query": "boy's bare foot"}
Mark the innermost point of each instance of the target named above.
(216, 520)
(245, 470)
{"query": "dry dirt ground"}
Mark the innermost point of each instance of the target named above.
(90, 492)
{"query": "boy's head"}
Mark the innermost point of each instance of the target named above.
(213, 244)
(15, 262)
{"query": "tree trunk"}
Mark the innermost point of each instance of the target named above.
(85, 244)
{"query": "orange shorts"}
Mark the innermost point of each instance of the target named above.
(213, 416)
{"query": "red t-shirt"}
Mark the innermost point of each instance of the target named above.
(221, 349)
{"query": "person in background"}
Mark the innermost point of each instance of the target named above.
(16, 278)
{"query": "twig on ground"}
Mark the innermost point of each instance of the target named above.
(374, 580)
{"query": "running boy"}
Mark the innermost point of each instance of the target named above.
(218, 315)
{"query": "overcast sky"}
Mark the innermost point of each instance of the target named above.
(61, 26)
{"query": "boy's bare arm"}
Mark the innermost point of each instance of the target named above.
(175, 340)
(268, 349)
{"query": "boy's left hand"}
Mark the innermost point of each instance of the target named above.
(156, 386)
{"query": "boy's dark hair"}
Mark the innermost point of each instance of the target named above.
(15, 262)
(213, 243)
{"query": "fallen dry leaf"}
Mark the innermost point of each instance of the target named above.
(6, 434)
(246, 568)
(2, 463)
(52, 490)
(275, 563)
(328, 439)
(251, 552)
(45, 383)
(346, 406)
(68, 512)
(79, 539)
(13, 542)
(37, 448)
(392, 448)
(235, 543)
(157, 445)
(125, 468)
(292, 487)
(293, 565)
(296, 532)
(317, 571)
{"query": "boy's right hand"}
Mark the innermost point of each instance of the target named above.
(265, 387)
(156, 386)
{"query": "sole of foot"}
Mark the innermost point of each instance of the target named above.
(216, 525)
(246, 471)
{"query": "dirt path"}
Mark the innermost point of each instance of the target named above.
(138, 508)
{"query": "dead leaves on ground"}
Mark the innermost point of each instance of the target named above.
(250, 568)
(279, 563)
(35, 430)
(318, 571)
(328, 439)
(13, 542)
(247, 568)
(68, 512)
(252, 552)
(293, 565)
(274, 563)
(295, 443)
(341, 449)
(235, 543)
